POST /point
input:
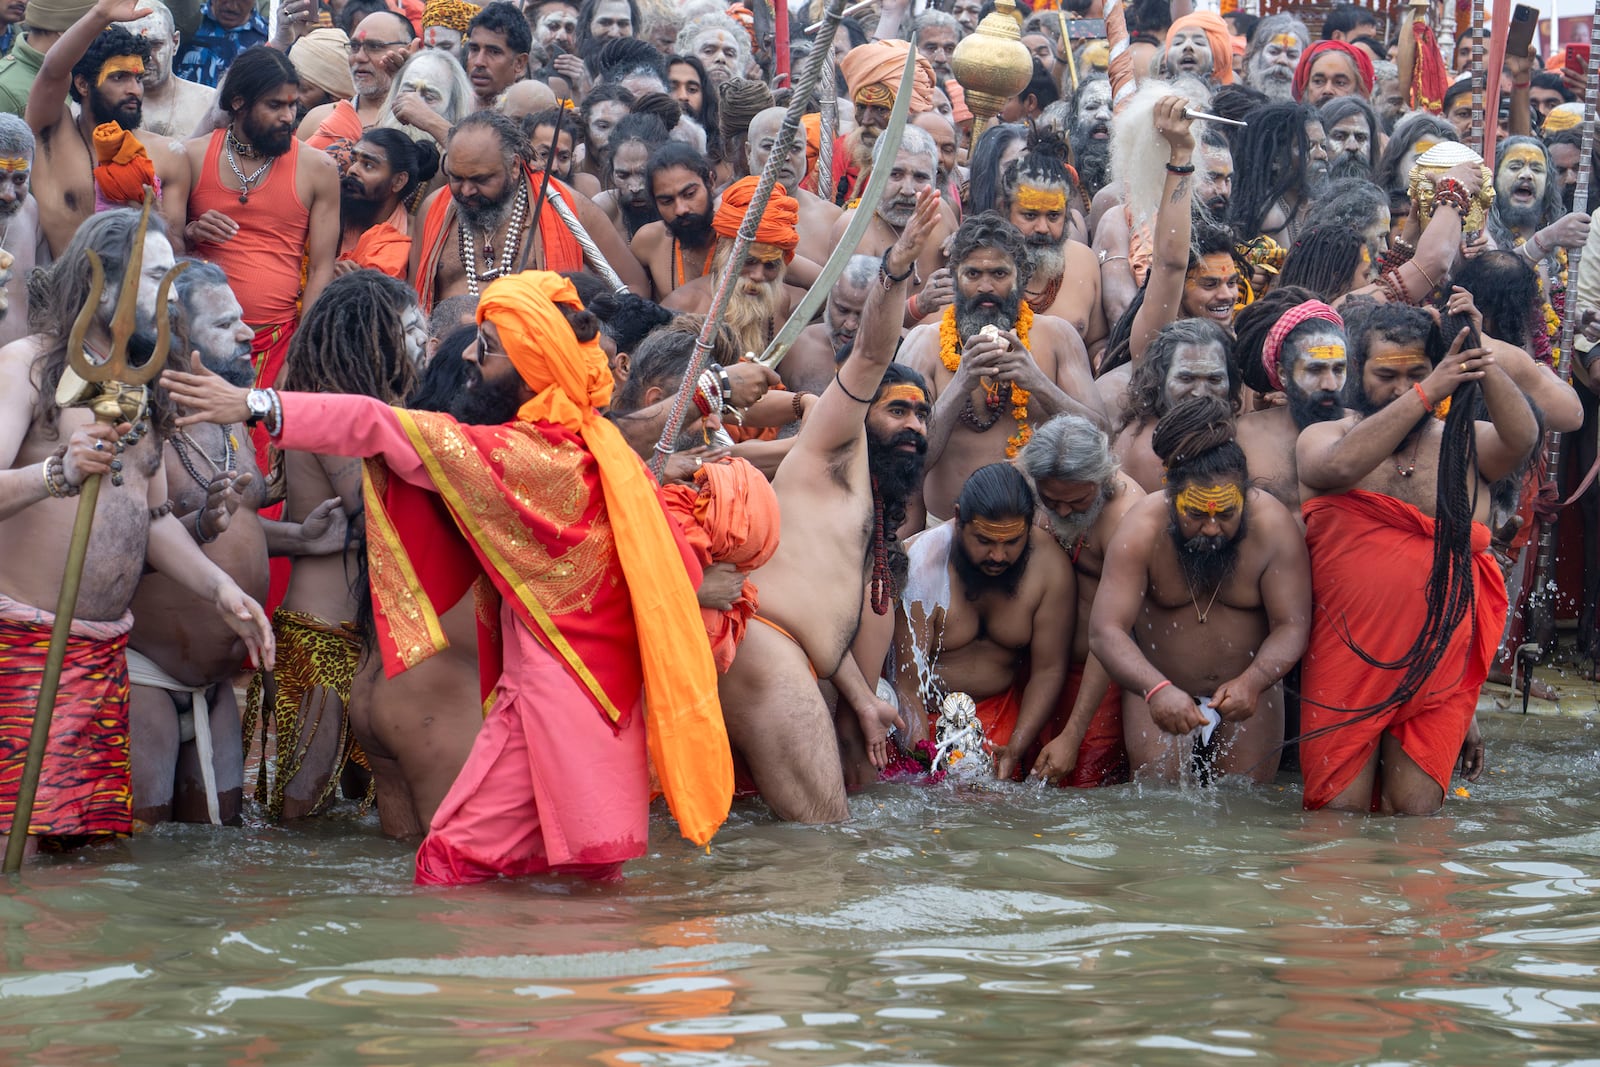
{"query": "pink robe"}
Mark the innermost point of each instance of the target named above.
(550, 784)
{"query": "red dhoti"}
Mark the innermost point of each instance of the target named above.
(86, 784)
(549, 785)
(269, 350)
(1370, 560)
(1102, 755)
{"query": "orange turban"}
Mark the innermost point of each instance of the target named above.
(123, 166)
(683, 719)
(730, 516)
(1218, 36)
(880, 63)
(779, 223)
(959, 111)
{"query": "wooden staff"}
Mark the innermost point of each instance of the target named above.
(786, 140)
(1541, 600)
(1066, 46)
(121, 397)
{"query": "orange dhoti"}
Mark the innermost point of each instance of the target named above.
(1371, 556)
(1102, 755)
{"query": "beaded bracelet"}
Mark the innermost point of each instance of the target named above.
(799, 408)
(199, 528)
(1450, 193)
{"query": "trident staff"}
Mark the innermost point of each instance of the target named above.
(117, 394)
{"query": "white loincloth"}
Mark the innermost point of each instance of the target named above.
(193, 725)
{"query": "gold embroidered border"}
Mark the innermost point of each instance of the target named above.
(452, 442)
(413, 622)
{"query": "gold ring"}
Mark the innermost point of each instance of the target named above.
(1463, 366)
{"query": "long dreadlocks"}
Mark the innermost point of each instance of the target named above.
(1450, 590)
(1272, 158)
(352, 340)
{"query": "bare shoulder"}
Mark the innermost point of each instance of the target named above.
(648, 239)
(16, 358)
(693, 296)
(314, 120)
(842, 223)
(1081, 257)
(1046, 553)
(430, 200)
(1128, 495)
(316, 162)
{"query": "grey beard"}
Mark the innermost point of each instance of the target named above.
(1349, 166)
(1277, 82)
(1068, 529)
(1049, 262)
(1093, 159)
(235, 370)
(484, 219)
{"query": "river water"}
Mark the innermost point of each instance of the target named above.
(1014, 926)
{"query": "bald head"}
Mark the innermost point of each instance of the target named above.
(387, 39)
(943, 132)
(763, 137)
(526, 98)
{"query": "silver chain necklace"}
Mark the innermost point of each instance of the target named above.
(245, 181)
(508, 251)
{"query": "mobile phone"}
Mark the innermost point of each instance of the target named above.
(1578, 58)
(1524, 20)
(1086, 29)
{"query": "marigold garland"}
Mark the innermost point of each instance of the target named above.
(950, 356)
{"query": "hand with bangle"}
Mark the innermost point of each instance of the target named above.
(1171, 709)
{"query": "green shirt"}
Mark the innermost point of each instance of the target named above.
(17, 72)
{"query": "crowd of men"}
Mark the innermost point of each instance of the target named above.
(1172, 445)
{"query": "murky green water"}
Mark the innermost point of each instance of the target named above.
(1013, 928)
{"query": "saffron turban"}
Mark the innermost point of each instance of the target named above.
(879, 64)
(322, 58)
(1564, 117)
(449, 14)
(779, 224)
(1273, 348)
(1363, 65)
(123, 168)
(730, 516)
(1217, 36)
(683, 719)
(959, 111)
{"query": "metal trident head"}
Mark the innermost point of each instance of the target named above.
(126, 317)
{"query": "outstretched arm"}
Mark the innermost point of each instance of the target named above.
(837, 419)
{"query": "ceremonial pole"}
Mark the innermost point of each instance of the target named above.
(1541, 603)
(787, 136)
(780, 42)
(1475, 135)
(877, 181)
(120, 397)
(827, 128)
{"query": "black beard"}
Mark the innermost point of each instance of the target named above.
(1569, 193)
(896, 474)
(235, 369)
(270, 141)
(1206, 561)
(636, 217)
(972, 315)
(1365, 406)
(693, 230)
(1321, 405)
(487, 401)
(129, 118)
(1217, 207)
(1314, 184)
(976, 581)
(1518, 217)
(357, 210)
(1092, 158)
(1349, 166)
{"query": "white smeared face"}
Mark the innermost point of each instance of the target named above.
(1522, 177)
(158, 259)
(1197, 370)
(163, 43)
(415, 324)
(217, 331)
(1190, 53)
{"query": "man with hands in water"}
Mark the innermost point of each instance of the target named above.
(1206, 593)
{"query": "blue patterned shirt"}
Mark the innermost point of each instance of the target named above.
(208, 53)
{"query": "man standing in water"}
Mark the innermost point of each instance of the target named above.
(1084, 497)
(558, 779)
(1212, 546)
(47, 452)
(1390, 485)
(834, 548)
(989, 607)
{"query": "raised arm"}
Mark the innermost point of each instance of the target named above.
(1512, 432)
(1334, 456)
(47, 99)
(1170, 232)
(837, 419)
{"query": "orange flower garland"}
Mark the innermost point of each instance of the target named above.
(950, 356)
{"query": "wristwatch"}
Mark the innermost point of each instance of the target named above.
(259, 401)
